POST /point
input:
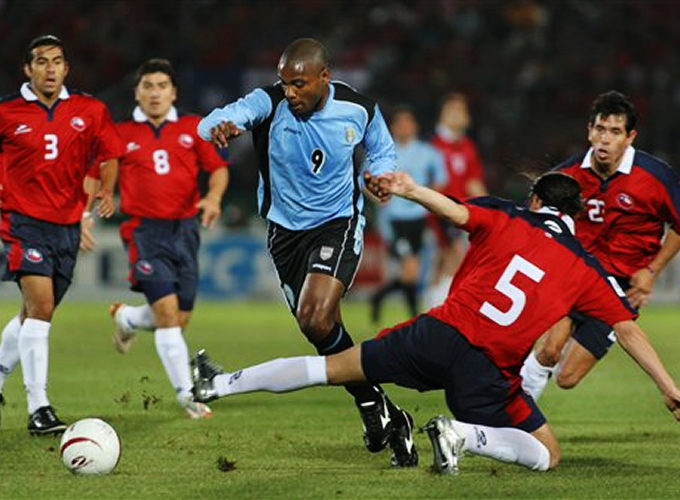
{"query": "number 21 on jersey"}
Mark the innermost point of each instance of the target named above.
(516, 295)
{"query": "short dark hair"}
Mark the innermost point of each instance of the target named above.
(614, 103)
(401, 109)
(156, 66)
(43, 41)
(559, 190)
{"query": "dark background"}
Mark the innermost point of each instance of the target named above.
(530, 68)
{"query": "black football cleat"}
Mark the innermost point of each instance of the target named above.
(404, 453)
(44, 421)
(377, 424)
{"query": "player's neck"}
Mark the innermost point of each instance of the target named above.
(604, 171)
(45, 99)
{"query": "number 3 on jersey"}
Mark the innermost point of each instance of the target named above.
(51, 146)
(161, 161)
(515, 294)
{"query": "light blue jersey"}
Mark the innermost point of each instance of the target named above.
(307, 165)
(426, 165)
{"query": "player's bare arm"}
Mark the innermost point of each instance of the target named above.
(211, 203)
(224, 132)
(108, 174)
(637, 345)
(643, 280)
(401, 184)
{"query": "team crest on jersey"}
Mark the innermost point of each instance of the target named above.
(186, 141)
(326, 253)
(132, 146)
(78, 123)
(144, 267)
(33, 255)
(625, 201)
(350, 134)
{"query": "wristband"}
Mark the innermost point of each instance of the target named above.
(87, 215)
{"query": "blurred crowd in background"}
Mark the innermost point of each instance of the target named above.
(530, 68)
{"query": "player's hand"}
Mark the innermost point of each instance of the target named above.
(372, 185)
(87, 239)
(641, 285)
(211, 210)
(106, 206)
(223, 133)
(399, 183)
(673, 406)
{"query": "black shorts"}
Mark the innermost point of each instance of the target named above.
(163, 251)
(334, 249)
(426, 354)
(36, 247)
(594, 335)
(408, 237)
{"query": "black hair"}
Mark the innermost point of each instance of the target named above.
(43, 41)
(614, 103)
(306, 49)
(156, 66)
(559, 190)
(401, 109)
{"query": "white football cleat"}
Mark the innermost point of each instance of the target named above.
(447, 444)
(123, 335)
(196, 410)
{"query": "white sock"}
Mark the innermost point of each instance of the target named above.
(506, 444)
(278, 375)
(9, 348)
(139, 317)
(534, 376)
(174, 354)
(34, 351)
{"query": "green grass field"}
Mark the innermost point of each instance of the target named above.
(618, 439)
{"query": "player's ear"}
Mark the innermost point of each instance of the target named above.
(27, 70)
(66, 68)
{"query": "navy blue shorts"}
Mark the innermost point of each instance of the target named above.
(408, 237)
(594, 335)
(426, 354)
(334, 248)
(36, 247)
(163, 251)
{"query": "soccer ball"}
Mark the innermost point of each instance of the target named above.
(90, 446)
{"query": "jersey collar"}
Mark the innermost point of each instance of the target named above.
(568, 221)
(29, 95)
(139, 116)
(446, 134)
(625, 167)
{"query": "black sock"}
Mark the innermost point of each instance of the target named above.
(411, 294)
(337, 341)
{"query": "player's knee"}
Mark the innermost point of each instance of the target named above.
(567, 380)
(40, 309)
(314, 322)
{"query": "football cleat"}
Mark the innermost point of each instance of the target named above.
(447, 445)
(123, 335)
(376, 422)
(44, 421)
(203, 371)
(404, 453)
(196, 410)
(204, 367)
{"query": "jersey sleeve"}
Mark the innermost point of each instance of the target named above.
(207, 155)
(381, 156)
(671, 208)
(246, 113)
(109, 144)
(480, 221)
(602, 297)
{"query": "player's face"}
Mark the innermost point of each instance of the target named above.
(609, 140)
(155, 94)
(403, 127)
(455, 115)
(47, 71)
(305, 85)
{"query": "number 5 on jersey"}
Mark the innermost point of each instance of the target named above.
(516, 295)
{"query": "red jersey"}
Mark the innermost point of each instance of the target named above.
(462, 164)
(524, 271)
(625, 216)
(47, 152)
(158, 173)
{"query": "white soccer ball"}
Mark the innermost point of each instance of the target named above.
(90, 446)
